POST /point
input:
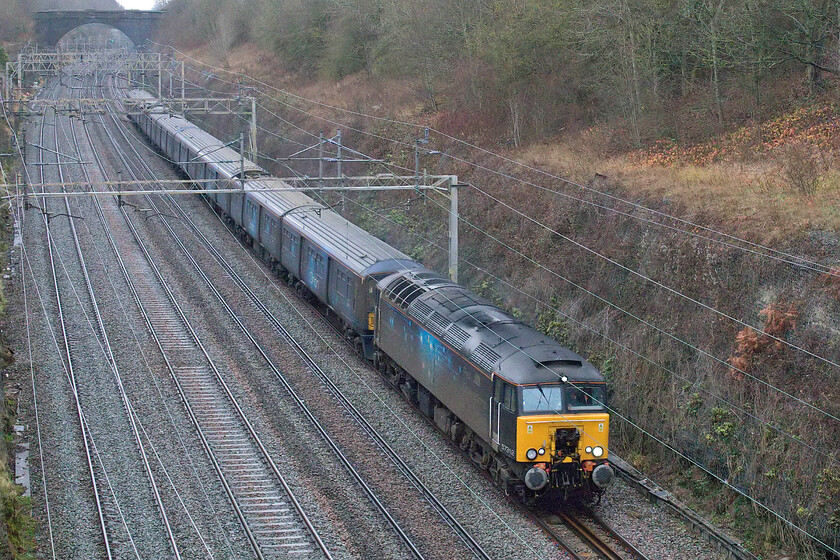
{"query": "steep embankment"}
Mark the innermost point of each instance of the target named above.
(720, 352)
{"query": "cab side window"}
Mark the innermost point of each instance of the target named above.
(506, 394)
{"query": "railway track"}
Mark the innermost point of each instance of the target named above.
(174, 208)
(596, 534)
(105, 343)
(274, 526)
(592, 539)
(107, 508)
(274, 522)
(246, 471)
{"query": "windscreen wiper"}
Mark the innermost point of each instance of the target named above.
(543, 395)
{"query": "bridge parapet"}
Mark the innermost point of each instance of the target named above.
(138, 25)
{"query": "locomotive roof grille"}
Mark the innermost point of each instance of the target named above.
(398, 287)
(484, 356)
(457, 337)
(420, 310)
(438, 323)
(405, 291)
(408, 295)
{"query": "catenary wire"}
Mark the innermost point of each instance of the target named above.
(648, 324)
(616, 263)
(770, 510)
(788, 258)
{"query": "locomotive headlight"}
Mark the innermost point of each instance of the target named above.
(597, 451)
(588, 449)
(531, 454)
(541, 451)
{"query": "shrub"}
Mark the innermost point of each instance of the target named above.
(801, 170)
(779, 320)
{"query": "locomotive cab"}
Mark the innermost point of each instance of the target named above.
(561, 437)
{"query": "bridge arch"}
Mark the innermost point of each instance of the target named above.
(138, 25)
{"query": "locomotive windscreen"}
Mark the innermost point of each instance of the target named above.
(544, 399)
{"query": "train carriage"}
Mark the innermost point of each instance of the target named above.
(335, 260)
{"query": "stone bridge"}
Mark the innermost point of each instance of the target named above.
(138, 25)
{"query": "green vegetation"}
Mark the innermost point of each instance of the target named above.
(17, 526)
(17, 532)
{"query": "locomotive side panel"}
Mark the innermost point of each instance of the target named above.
(461, 387)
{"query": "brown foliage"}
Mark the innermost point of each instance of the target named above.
(831, 282)
(779, 319)
(801, 170)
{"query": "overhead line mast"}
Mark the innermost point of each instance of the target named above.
(134, 64)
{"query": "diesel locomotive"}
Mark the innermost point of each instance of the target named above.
(528, 410)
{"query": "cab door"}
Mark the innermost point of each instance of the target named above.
(503, 417)
(495, 410)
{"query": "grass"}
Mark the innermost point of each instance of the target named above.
(17, 532)
(753, 198)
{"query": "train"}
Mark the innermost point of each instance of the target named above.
(528, 410)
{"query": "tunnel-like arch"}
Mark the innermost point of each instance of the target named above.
(138, 25)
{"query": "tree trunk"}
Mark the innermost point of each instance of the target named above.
(635, 85)
(513, 104)
(715, 64)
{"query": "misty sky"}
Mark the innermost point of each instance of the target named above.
(137, 4)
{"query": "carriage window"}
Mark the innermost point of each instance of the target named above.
(343, 284)
(289, 240)
(585, 398)
(542, 398)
